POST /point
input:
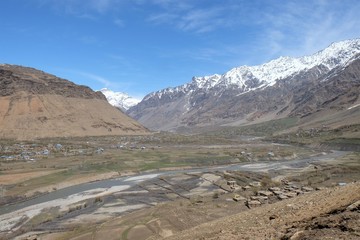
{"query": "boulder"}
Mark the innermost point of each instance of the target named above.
(255, 184)
(274, 189)
(307, 189)
(33, 237)
(282, 197)
(265, 193)
(253, 203)
(298, 192)
(238, 198)
(277, 193)
(291, 194)
(259, 198)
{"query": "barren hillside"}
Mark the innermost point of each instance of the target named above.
(34, 104)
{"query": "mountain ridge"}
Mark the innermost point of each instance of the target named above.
(215, 99)
(15, 78)
(264, 71)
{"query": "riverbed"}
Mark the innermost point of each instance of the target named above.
(118, 196)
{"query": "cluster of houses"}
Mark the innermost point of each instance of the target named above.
(312, 132)
(31, 152)
(24, 152)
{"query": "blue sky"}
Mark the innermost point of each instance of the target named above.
(140, 46)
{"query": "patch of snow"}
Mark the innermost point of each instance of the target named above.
(357, 105)
(119, 99)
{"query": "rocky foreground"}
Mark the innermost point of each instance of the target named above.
(326, 214)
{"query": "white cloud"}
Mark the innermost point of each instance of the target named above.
(102, 82)
(192, 18)
(101, 5)
(299, 28)
(201, 20)
(272, 29)
(265, 29)
(162, 18)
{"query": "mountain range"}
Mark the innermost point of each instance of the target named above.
(317, 90)
(323, 84)
(35, 104)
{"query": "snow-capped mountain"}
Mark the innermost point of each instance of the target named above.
(252, 77)
(244, 90)
(119, 99)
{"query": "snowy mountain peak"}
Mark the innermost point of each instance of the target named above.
(119, 99)
(252, 77)
(206, 81)
(313, 85)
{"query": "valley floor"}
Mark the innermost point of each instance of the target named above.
(163, 187)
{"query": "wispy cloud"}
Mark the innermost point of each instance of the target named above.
(202, 20)
(81, 8)
(303, 27)
(101, 5)
(85, 77)
(188, 17)
(274, 28)
(163, 18)
(94, 77)
(260, 30)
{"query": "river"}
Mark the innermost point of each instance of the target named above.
(90, 190)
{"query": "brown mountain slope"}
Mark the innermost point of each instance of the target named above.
(34, 104)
